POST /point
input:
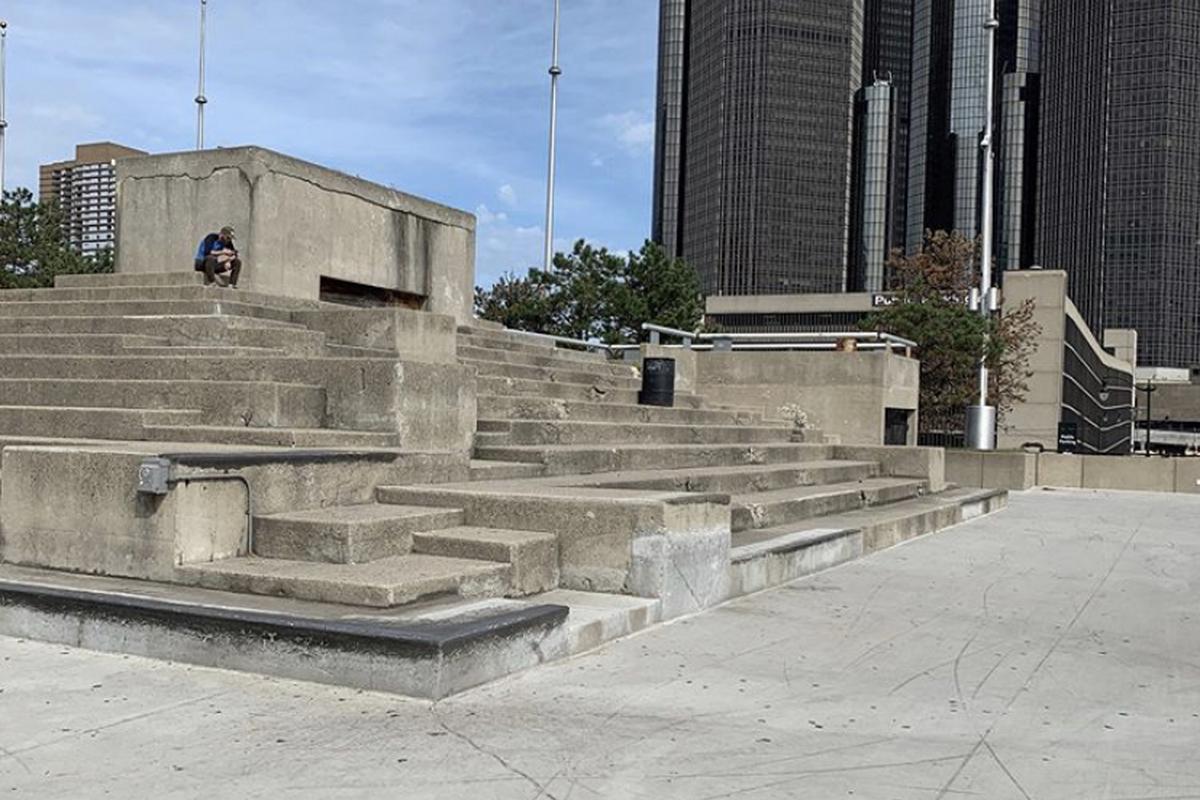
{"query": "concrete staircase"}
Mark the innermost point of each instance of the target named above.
(569, 475)
(161, 357)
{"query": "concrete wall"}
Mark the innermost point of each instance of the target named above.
(1016, 470)
(845, 394)
(296, 222)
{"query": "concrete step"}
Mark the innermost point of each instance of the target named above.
(556, 374)
(219, 402)
(503, 470)
(785, 506)
(761, 558)
(109, 279)
(533, 556)
(563, 359)
(514, 341)
(87, 422)
(218, 305)
(385, 583)
(271, 437)
(278, 369)
(598, 391)
(74, 344)
(741, 480)
(591, 459)
(144, 293)
(541, 408)
(348, 534)
(176, 327)
(553, 432)
(349, 351)
(215, 350)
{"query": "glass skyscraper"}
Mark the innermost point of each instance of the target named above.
(755, 123)
(1119, 192)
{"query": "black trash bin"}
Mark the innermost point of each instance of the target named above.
(658, 382)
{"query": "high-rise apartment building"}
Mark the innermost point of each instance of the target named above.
(85, 189)
(755, 121)
(1119, 195)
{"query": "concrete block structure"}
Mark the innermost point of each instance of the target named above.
(304, 231)
(389, 497)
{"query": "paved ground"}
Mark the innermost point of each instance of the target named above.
(1052, 651)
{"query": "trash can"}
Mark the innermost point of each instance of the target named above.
(658, 382)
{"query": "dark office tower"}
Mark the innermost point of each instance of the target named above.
(887, 55)
(948, 112)
(1120, 155)
(931, 150)
(872, 201)
(765, 94)
(668, 144)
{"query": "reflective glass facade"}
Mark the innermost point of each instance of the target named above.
(1120, 160)
(763, 170)
(874, 167)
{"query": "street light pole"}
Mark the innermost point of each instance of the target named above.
(201, 100)
(3, 119)
(555, 72)
(981, 418)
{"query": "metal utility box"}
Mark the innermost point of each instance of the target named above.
(154, 476)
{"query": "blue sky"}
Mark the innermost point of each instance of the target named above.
(446, 99)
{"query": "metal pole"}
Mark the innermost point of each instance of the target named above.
(1150, 390)
(555, 72)
(981, 419)
(201, 100)
(3, 120)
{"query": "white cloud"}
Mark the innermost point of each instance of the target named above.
(507, 195)
(634, 130)
(486, 216)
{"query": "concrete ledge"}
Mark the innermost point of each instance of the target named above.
(1016, 470)
(430, 659)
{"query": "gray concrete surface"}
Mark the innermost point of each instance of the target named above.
(1049, 652)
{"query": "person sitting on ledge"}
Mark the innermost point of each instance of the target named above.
(217, 256)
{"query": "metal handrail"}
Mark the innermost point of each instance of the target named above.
(727, 339)
(566, 340)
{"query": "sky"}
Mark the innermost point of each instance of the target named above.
(444, 99)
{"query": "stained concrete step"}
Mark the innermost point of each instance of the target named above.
(89, 422)
(598, 391)
(591, 459)
(175, 327)
(350, 351)
(216, 351)
(68, 344)
(603, 376)
(533, 556)
(740, 480)
(348, 534)
(278, 369)
(141, 308)
(271, 437)
(264, 404)
(385, 583)
(503, 470)
(109, 279)
(563, 359)
(553, 432)
(766, 557)
(784, 506)
(141, 292)
(498, 407)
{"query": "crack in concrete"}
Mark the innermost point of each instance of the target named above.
(542, 790)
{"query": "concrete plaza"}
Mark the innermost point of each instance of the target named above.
(1050, 652)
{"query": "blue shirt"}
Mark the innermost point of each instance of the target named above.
(210, 244)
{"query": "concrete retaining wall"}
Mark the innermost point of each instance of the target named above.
(844, 394)
(1017, 471)
(296, 222)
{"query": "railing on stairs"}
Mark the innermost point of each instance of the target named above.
(840, 340)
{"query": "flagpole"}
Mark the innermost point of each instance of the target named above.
(555, 72)
(201, 100)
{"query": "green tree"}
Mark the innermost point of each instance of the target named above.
(33, 248)
(932, 287)
(592, 293)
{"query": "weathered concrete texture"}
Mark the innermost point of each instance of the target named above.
(413, 335)
(1020, 470)
(296, 222)
(844, 394)
(1043, 653)
(906, 462)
